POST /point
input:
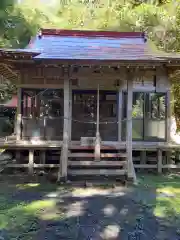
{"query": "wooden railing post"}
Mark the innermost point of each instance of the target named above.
(70, 110)
(98, 139)
(62, 174)
(19, 115)
(120, 115)
(168, 121)
(130, 166)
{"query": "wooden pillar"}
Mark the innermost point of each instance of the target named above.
(163, 85)
(31, 161)
(168, 117)
(168, 157)
(159, 159)
(168, 121)
(25, 105)
(44, 128)
(70, 111)
(33, 104)
(130, 166)
(120, 105)
(168, 124)
(37, 102)
(62, 174)
(19, 115)
(98, 140)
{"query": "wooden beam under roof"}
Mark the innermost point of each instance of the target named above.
(17, 54)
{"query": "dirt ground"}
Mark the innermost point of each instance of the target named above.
(40, 210)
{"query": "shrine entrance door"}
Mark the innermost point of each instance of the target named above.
(84, 114)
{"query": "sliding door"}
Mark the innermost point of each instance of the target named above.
(148, 116)
(155, 117)
(84, 114)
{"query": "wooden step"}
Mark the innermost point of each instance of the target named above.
(103, 147)
(97, 163)
(108, 172)
(91, 155)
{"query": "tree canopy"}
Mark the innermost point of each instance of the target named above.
(160, 19)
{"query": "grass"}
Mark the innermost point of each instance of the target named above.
(24, 206)
(20, 217)
(167, 195)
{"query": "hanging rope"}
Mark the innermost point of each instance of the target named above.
(69, 119)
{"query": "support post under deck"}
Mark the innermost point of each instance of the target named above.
(159, 159)
(31, 161)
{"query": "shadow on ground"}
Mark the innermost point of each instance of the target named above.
(47, 211)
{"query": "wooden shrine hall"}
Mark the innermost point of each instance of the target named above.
(90, 103)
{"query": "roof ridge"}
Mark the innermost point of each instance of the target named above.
(90, 33)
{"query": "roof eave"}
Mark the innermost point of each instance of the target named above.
(109, 62)
(17, 54)
(89, 33)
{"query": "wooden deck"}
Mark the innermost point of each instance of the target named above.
(81, 157)
(22, 144)
(45, 145)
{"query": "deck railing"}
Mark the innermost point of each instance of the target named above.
(44, 128)
(108, 128)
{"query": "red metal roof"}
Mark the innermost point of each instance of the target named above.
(90, 45)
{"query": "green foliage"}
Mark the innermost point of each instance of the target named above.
(6, 91)
(18, 22)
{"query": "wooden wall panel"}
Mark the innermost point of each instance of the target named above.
(89, 78)
(40, 75)
(42, 81)
(106, 78)
(163, 82)
(55, 81)
(144, 79)
(93, 83)
(34, 81)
